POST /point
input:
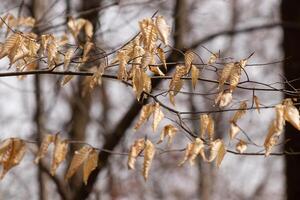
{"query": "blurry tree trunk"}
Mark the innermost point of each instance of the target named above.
(81, 104)
(290, 12)
(37, 9)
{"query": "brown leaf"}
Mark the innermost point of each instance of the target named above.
(225, 73)
(59, 154)
(158, 115)
(256, 102)
(217, 151)
(234, 130)
(90, 164)
(162, 57)
(168, 131)
(47, 140)
(241, 112)
(67, 58)
(195, 75)
(188, 60)
(149, 153)
(163, 29)
(241, 146)
(147, 110)
(79, 157)
(135, 150)
(291, 113)
(224, 98)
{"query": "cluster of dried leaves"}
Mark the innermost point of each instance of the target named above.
(137, 61)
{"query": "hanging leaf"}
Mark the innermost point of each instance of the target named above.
(79, 157)
(272, 138)
(67, 58)
(225, 73)
(135, 150)
(195, 75)
(66, 79)
(158, 115)
(188, 60)
(256, 102)
(47, 140)
(13, 152)
(241, 111)
(122, 73)
(147, 110)
(168, 131)
(234, 130)
(241, 146)
(213, 58)
(211, 128)
(148, 157)
(204, 121)
(59, 154)
(224, 98)
(291, 113)
(162, 57)
(163, 29)
(192, 151)
(90, 164)
(217, 151)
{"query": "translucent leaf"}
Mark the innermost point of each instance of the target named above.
(156, 71)
(211, 128)
(79, 157)
(148, 157)
(176, 82)
(88, 46)
(163, 29)
(168, 131)
(223, 99)
(195, 75)
(272, 137)
(147, 110)
(90, 165)
(47, 140)
(241, 146)
(59, 154)
(158, 115)
(66, 79)
(135, 150)
(192, 151)
(122, 73)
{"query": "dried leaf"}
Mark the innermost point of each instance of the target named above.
(66, 79)
(135, 150)
(79, 157)
(256, 102)
(176, 82)
(163, 29)
(158, 115)
(224, 98)
(47, 140)
(272, 137)
(156, 71)
(122, 73)
(241, 146)
(168, 131)
(192, 151)
(235, 76)
(213, 58)
(241, 111)
(88, 46)
(15, 151)
(147, 110)
(225, 73)
(67, 58)
(211, 128)
(59, 154)
(204, 121)
(234, 130)
(162, 57)
(291, 113)
(90, 165)
(148, 157)
(195, 74)
(188, 60)
(217, 151)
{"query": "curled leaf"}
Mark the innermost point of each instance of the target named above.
(291, 113)
(168, 131)
(59, 154)
(147, 110)
(217, 151)
(135, 150)
(158, 115)
(79, 157)
(192, 151)
(163, 29)
(90, 165)
(256, 102)
(224, 98)
(148, 157)
(47, 140)
(241, 112)
(241, 146)
(234, 130)
(195, 74)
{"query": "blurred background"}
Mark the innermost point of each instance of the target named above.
(105, 118)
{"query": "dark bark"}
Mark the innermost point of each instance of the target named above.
(290, 12)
